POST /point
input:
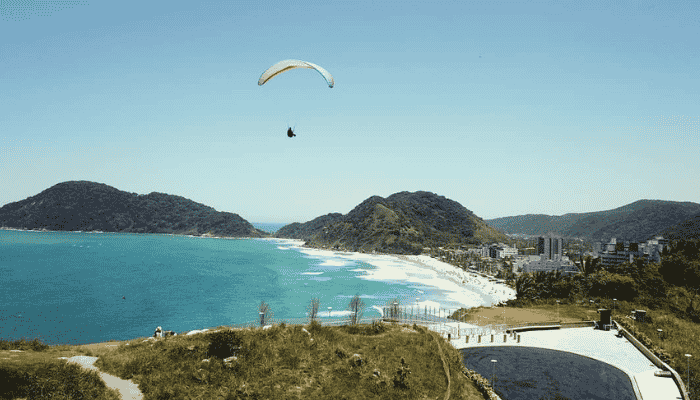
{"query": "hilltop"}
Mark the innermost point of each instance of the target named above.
(403, 223)
(91, 206)
(637, 221)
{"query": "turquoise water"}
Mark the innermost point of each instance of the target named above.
(73, 287)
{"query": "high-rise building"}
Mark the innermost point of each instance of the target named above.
(550, 246)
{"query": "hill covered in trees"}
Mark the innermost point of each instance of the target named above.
(688, 229)
(403, 223)
(306, 230)
(90, 206)
(635, 222)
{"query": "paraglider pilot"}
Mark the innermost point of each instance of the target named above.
(290, 132)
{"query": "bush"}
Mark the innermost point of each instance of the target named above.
(225, 344)
(22, 344)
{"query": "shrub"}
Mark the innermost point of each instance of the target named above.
(225, 344)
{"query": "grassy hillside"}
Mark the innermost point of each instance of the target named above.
(350, 362)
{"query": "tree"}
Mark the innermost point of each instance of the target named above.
(590, 265)
(606, 284)
(265, 313)
(312, 308)
(356, 307)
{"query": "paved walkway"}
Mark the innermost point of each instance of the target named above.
(604, 346)
(127, 389)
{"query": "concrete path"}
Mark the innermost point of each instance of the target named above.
(604, 346)
(127, 389)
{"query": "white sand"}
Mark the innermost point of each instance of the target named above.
(463, 288)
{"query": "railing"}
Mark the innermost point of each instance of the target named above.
(656, 360)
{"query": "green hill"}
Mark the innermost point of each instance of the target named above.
(637, 221)
(688, 229)
(90, 206)
(403, 223)
(306, 230)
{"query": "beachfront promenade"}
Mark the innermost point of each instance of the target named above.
(600, 345)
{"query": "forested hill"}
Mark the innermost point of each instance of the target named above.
(306, 230)
(90, 206)
(402, 223)
(688, 229)
(637, 221)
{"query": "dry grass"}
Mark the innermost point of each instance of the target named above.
(348, 362)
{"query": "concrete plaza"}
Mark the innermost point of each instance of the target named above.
(604, 346)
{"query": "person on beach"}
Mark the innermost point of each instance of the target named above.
(158, 333)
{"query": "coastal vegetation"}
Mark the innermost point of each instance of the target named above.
(378, 360)
(36, 372)
(633, 222)
(90, 206)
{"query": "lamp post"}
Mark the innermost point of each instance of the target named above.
(687, 356)
(493, 378)
(634, 316)
(262, 318)
(660, 331)
(557, 310)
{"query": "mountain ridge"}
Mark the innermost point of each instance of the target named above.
(637, 221)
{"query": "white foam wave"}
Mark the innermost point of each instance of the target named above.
(311, 273)
(334, 263)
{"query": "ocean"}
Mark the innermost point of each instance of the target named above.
(83, 287)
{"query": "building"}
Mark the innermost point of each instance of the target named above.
(543, 264)
(551, 247)
(614, 252)
(496, 250)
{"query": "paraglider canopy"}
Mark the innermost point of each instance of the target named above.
(286, 65)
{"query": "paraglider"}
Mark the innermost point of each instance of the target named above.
(286, 65)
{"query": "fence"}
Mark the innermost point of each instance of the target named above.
(657, 362)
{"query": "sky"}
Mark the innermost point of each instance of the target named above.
(506, 107)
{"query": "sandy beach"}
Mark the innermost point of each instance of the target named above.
(461, 288)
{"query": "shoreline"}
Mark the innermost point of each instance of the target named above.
(465, 285)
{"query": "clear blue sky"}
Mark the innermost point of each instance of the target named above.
(506, 107)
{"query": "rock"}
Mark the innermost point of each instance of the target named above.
(357, 360)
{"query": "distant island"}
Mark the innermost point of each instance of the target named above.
(635, 222)
(91, 206)
(403, 223)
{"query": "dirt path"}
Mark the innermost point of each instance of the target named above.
(127, 389)
(445, 367)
